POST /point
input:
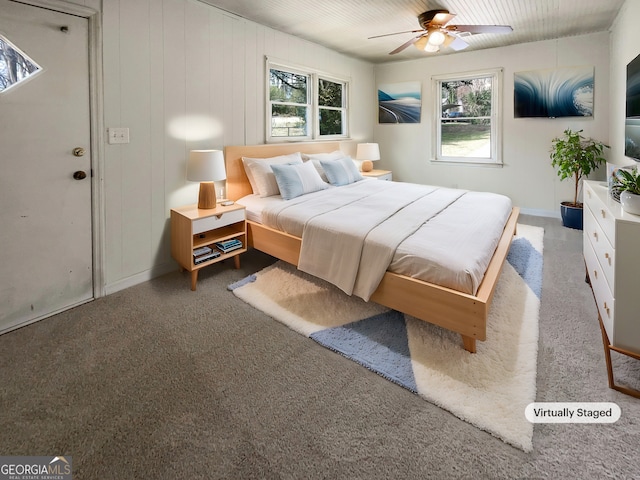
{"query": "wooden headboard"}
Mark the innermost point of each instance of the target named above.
(237, 182)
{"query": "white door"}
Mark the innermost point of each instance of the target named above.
(45, 213)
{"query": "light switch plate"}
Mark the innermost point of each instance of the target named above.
(118, 135)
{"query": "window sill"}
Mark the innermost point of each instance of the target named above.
(467, 163)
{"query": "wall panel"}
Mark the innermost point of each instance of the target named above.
(527, 176)
(183, 75)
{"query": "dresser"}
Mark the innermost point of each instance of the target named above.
(612, 258)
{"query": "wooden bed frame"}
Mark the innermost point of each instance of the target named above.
(460, 312)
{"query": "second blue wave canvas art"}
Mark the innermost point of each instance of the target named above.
(559, 92)
(399, 102)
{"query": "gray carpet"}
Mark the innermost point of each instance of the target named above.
(160, 382)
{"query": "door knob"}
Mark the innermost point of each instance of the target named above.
(78, 152)
(79, 175)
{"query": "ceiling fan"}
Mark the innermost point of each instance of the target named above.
(435, 32)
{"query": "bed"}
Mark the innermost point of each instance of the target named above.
(461, 312)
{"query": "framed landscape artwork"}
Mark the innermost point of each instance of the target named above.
(558, 92)
(399, 102)
(632, 121)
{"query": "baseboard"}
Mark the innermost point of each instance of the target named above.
(140, 278)
(539, 213)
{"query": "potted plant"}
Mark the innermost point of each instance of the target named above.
(575, 157)
(628, 184)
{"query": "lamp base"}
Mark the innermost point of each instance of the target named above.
(207, 195)
(367, 165)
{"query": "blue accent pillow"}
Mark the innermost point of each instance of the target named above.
(297, 179)
(341, 172)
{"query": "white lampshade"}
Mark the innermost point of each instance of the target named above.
(206, 167)
(368, 153)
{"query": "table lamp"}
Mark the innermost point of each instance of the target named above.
(206, 167)
(368, 152)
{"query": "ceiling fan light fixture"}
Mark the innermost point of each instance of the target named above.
(436, 38)
(431, 48)
(421, 43)
(441, 18)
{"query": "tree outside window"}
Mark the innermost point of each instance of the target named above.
(305, 105)
(467, 123)
(15, 66)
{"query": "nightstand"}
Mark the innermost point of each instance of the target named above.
(379, 174)
(200, 238)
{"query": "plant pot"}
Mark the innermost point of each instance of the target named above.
(571, 215)
(630, 202)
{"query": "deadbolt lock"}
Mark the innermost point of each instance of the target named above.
(78, 152)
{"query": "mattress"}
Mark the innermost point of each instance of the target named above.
(440, 235)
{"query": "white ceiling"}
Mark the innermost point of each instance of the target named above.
(345, 25)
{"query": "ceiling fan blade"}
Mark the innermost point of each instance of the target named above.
(480, 28)
(458, 44)
(406, 44)
(397, 33)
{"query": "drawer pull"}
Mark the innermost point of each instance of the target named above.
(607, 309)
(595, 274)
(589, 193)
(608, 257)
(595, 235)
(604, 213)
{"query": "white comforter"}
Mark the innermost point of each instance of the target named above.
(352, 234)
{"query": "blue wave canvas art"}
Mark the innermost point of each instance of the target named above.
(559, 92)
(399, 102)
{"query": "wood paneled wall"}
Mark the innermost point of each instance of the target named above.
(183, 75)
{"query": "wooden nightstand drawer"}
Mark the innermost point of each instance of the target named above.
(216, 221)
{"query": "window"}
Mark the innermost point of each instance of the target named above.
(467, 127)
(305, 105)
(15, 66)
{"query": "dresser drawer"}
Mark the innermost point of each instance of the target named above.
(601, 292)
(210, 223)
(604, 252)
(601, 213)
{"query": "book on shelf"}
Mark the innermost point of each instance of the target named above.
(206, 257)
(229, 245)
(202, 251)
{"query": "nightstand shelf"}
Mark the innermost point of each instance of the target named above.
(193, 228)
(225, 233)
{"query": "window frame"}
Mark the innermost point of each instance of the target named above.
(31, 75)
(313, 119)
(495, 158)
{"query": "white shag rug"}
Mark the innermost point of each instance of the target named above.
(489, 389)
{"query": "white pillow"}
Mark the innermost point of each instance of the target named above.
(316, 157)
(247, 162)
(341, 172)
(323, 156)
(297, 179)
